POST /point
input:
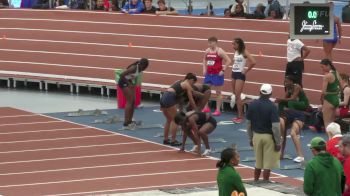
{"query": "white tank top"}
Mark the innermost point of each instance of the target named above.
(239, 62)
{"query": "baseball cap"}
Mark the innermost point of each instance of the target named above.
(333, 128)
(317, 142)
(266, 89)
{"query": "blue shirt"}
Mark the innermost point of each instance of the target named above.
(262, 113)
(129, 7)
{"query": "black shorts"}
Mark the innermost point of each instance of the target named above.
(238, 76)
(295, 69)
(168, 99)
(212, 121)
(291, 115)
(122, 83)
(205, 88)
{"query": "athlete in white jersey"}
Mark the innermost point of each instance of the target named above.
(243, 62)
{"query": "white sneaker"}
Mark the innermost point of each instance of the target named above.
(194, 148)
(206, 152)
(298, 159)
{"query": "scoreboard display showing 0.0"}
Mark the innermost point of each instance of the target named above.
(311, 21)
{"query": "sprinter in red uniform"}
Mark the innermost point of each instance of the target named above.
(215, 63)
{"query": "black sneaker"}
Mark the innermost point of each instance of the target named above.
(167, 142)
(175, 143)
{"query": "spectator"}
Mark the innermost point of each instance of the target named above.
(345, 150)
(149, 8)
(4, 4)
(296, 119)
(324, 174)
(239, 11)
(228, 178)
(259, 12)
(263, 127)
(346, 14)
(135, 7)
(164, 10)
(42, 4)
(227, 12)
(297, 52)
(241, 2)
(274, 9)
(334, 131)
(76, 4)
(99, 5)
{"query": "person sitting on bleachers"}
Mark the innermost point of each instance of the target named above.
(135, 7)
(274, 9)
(259, 12)
(164, 10)
(227, 12)
(4, 4)
(236, 2)
(333, 129)
(149, 8)
(239, 11)
(346, 14)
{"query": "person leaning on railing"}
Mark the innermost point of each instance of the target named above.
(133, 7)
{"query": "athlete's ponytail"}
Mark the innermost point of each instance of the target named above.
(328, 63)
(226, 157)
(179, 118)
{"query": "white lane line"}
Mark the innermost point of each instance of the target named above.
(83, 157)
(71, 147)
(150, 15)
(144, 25)
(105, 166)
(157, 36)
(139, 139)
(136, 188)
(43, 130)
(18, 116)
(30, 123)
(55, 139)
(108, 177)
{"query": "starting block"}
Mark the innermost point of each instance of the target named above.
(113, 120)
(288, 157)
(248, 159)
(226, 123)
(81, 112)
(140, 125)
(214, 140)
(246, 148)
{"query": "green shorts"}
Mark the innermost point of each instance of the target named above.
(333, 99)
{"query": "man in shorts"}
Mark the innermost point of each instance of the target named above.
(215, 63)
(297, 51)
(263, 127)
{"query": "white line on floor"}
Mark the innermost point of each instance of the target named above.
(17, 116)
(72, 147)
(29, 123)
(44, 130)
(82, 157)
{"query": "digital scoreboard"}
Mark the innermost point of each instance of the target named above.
(311, 21)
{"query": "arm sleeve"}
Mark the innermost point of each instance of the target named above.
(308, 180)
(249, 130)
(276, 125)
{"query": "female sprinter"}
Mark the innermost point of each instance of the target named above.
(126, 84)
(330, 91)
(214, 64)
(197, 126)
(329, 44)
(295, 97)
(242, 58)
(170, 98)
(228, 179)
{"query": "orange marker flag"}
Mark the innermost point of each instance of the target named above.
(260, 53)
(130, 45)
(3, 36)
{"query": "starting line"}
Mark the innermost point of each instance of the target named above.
(81, 112)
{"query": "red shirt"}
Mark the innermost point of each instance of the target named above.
(332, 149)
(213, 62)
(346, 166)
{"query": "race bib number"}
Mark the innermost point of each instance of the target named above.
(210, 63)
(235, 68)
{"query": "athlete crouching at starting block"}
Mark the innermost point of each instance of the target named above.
(197, 126)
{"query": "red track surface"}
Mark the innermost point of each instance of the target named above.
(55, 157)
(92, 44)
